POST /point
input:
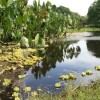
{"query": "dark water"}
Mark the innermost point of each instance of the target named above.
(57, 60)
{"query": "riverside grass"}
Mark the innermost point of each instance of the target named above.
(90, 92)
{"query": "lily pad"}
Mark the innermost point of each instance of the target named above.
(27, 89)
(58, 85)
(15, 94)
(21, 76)
(83, 73)
(89, 72)
(34, 93)
(97, 68)
(16, 89)
(64, 77)
(6, 82)
(72, 76)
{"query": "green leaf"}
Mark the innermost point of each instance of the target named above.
(39, 41)
(19, 20)
(69, 20)
(1, 31)
(24, 42)
(8, 25)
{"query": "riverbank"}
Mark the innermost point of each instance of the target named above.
(83, 30)
(90, 92)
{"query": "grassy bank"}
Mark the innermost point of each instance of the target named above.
(90, 92)
(83, 30)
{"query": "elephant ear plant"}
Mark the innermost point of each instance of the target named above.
(18, 19)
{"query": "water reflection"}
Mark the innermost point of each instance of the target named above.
(65, 57)
(94, 47)
(56, 52)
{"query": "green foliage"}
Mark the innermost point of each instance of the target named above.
(94, 14)
(39, 41)
(24, 42)
(18, 19)
(71, 92)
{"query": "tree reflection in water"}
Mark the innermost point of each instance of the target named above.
(56, 52)
(94, 47)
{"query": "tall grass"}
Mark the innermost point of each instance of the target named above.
(90, 92)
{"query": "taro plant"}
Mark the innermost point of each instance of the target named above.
(18, 19)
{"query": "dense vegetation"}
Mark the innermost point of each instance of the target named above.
(18, 19)
(32, 25)
(94, 14)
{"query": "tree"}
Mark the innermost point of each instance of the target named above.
(94, 14)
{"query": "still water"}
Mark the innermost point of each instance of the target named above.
(57, 60)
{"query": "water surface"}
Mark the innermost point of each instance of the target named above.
(57, 61)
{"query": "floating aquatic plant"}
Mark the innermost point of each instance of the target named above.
(39, 89)
(71, 76)
(34, 94)
(21, 76)
(15, 94)
(16, 89)
(6, 82)
(97, 68)
(83, 74)
(89, 72)
(58, 85)
(64, 77)
(17, 98)
(27, 89)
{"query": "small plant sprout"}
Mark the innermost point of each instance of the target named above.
(58, 85)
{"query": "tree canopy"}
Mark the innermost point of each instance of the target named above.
(94, 14)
